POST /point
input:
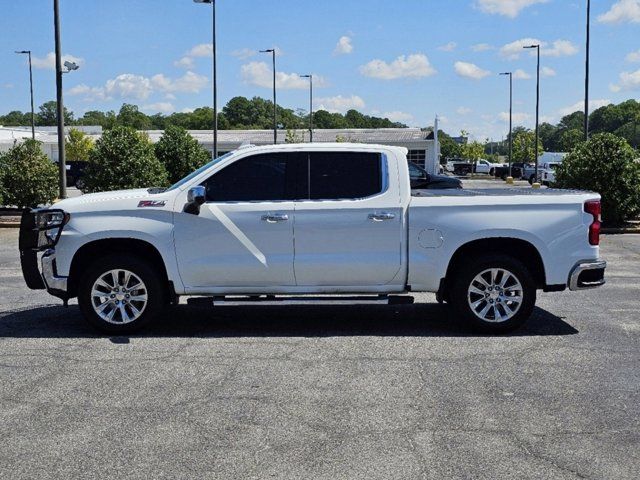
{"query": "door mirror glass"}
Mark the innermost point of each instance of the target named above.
(196, 195)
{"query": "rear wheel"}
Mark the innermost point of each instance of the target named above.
(494, 294)
(120, 294)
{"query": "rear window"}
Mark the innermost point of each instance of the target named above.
(344, 175)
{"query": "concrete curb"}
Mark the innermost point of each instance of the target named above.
(9, 224)
(615, 231)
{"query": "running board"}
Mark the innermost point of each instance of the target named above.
(266, 300)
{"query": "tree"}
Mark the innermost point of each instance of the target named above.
(130, 116)
(473, 151)
(16, 118)
(48, 115)
(78, 146)
(569, 139)
(29, 178)
(449, 148)
(180, 153)
(605, 164)
(123, 159)
(524, 145)
(95, 117)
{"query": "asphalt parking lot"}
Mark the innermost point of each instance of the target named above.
(393, 392)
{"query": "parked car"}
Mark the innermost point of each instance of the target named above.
(548, 173)
(503, 172)
(484, 166)
(527, 170)
(420, 178)
(274, 221)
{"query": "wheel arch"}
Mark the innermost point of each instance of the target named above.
(522, 250)
(90, 251)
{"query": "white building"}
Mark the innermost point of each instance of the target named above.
(420, 143)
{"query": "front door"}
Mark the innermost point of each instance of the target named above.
(348, 231)
(243, 236)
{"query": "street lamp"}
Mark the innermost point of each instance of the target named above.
(33, 122)
(70, 67)
(537, 47)
(215, 79)
(310, 77)
(275, 108)
(62, 165)
(510, 120)
(586, 76)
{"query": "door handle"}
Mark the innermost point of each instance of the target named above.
(275, 217)
(382, 216)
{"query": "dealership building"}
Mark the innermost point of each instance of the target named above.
(420, 143)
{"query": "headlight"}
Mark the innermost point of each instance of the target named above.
(49, 225)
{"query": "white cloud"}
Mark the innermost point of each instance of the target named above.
(448, 47)
(344, 46)
(633, 57)
(518, 117)
(470, 70)
(628, 81)
(160, 107)
(340, 104)
(187, 110)
(463, 110)
(261, 74)
(559, 48)
(138, 87)
(397, 116)
(508, 8)
(201, 50)
(185, 62)
(49, 61)
(547, 72)
(520, 74)
(622, 11)
(481, 47)
(244, 53)
(579, 106)
(411, 66)
(513, 50)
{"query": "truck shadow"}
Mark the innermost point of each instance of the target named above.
(418, 320)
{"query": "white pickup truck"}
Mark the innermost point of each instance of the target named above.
(288, 222)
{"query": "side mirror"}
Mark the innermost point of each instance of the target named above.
(196, 196)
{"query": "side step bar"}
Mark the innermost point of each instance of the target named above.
(267, 300)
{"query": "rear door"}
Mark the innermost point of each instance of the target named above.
(348, 226)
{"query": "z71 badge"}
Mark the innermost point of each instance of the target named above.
(151, 203)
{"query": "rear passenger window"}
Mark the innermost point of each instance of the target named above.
(344, 175)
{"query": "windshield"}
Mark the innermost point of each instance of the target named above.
(197, 172)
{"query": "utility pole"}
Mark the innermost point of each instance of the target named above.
(586, 76)
(510, 120)
(275, 105)
(537, 47)
(33, 119)
(60, 107)
(310, 77)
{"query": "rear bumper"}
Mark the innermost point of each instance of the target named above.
(587, 275)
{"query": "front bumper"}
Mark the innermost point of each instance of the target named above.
(44, 276)
(587, 275)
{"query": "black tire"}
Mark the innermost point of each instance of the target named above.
(531, 179)
(156, 293)
(492, 172)
(463, 279)
(504, 176)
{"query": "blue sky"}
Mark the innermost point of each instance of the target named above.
(407, 59)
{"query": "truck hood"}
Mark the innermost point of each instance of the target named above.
(114, 200)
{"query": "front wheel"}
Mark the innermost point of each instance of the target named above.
(494, 294)
(120, 293)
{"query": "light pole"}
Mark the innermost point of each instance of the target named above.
(33, 121)
(215, 79)
(586, 75)
(62, 165)
(310, 77)
(275, 105)
(537, 47)
(510, 120)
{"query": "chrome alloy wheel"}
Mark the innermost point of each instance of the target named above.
(119, 296)
(495, 295)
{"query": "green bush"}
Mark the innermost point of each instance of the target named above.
(180, 153)
(29, 178)
(123, 159)
(605, 164)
